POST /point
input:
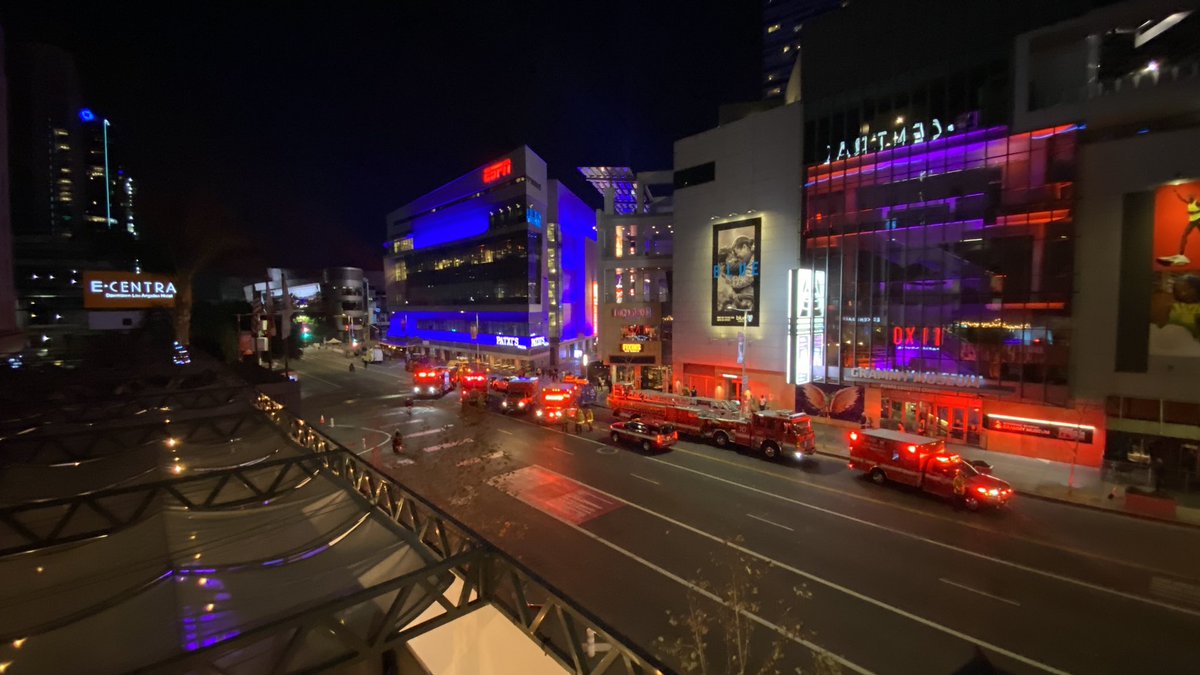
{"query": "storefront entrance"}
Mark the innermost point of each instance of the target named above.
(956, 419)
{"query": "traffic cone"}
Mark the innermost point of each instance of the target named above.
(322, 418)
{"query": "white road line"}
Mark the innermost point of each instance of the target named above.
(424, 433)
(826, 582)
(770, 522)
(791, 635)
(939, 544)
(565, 452)
(400, 424)
(976, 590)
(451, 444)
(309, 376)
(505, 431)
(933, 516)
(645, 479)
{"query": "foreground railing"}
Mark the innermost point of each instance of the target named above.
(573, 636)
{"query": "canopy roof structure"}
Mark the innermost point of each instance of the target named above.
(184, 522)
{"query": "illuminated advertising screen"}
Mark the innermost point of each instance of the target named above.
(1175, 299)
(736, 272)
(126, 290)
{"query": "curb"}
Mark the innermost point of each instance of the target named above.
(1068, 502)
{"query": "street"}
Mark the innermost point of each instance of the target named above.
(885, 579)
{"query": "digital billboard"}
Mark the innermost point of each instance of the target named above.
(126, 290)
(1175, 299)
(736, 272)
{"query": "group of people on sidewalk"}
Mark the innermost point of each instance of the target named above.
(583, 418)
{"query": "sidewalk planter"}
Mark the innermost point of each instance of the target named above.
(1156, 505)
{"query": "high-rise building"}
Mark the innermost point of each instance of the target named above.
(636, 235)
(10, 338)
(499, 262)
(782, 22)
(63, 193)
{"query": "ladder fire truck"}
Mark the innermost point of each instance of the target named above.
(773, 433)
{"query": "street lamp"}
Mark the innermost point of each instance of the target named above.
(743, 341)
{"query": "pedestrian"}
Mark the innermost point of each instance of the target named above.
(397, 443)
(352, 367)
(580, 420)
(589, 417)
(762, 402)
(693, 391)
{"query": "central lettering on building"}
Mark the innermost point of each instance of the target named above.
(632, 312)
(912, 134)
(914, 377)
(631, 347)
(507, 341)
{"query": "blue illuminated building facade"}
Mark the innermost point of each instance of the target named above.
(503, 252)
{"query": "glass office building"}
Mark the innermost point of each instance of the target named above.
(499, 263)
(943, 250)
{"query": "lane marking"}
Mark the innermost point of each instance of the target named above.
(645, 479)
(309, 376)
(506, 431)
(939, 544)
(406, 422)
(697, 589)
(476, 460)
(565, 452)
(770, 522)
(935, 516)
(976, 590)
(834, 585)
(451, 444)
(417, 434)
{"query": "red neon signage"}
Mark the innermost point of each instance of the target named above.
(914, 336)
(494, 172)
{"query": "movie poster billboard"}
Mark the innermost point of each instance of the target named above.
(1175, 300)
(736, 272)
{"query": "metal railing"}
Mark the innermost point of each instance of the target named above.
(566, 631)
(363, 626)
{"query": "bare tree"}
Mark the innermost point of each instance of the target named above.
(722, 630)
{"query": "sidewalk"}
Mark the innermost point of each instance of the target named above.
(1032, 477)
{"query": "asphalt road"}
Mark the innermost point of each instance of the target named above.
(884, 579)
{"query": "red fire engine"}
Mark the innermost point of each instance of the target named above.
(519, 396)
(431, 382)
(774, 433)
(474, 388)
(552, 405)
(924, 463)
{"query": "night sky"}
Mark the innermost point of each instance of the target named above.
(311, 124)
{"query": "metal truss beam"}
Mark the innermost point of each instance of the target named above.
(119, 407)
(54, 522)
(81, 446)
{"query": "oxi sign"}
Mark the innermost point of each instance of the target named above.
(125, 290)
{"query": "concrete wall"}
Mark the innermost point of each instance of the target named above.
(1109, 170)
(758, 175)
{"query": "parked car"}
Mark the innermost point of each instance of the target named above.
(646, 435)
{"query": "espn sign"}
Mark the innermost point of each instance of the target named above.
(126, 290)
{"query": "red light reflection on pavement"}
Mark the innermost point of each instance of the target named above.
(555, 495)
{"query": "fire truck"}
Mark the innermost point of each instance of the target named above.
(474, 389)
(520, 396)
(552, 404)
(924, 463)
(772, 433)
(431, 382)
(627, 401)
